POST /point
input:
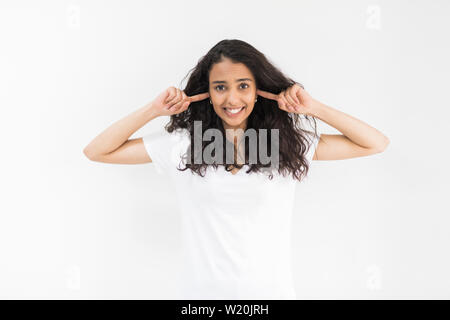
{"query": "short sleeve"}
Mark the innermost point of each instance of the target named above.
(313, 140)
(165, 149)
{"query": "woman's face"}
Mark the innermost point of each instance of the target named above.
(232, 87)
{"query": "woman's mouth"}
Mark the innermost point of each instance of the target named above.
(233, 112)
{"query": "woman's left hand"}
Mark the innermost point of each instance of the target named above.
(294, 99)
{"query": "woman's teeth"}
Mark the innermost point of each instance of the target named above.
(233, 111)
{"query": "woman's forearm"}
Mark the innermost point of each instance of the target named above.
(119, 132)
(354, 129)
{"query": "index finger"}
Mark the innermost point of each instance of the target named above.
(267, 95)
(198, 97)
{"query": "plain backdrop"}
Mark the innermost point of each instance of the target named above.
(373, 227)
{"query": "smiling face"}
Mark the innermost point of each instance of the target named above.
(232, 88)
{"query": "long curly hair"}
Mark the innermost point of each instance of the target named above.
(293, 143)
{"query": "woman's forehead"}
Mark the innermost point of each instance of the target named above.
(228, 71)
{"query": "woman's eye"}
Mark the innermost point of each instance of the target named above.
(220, 86)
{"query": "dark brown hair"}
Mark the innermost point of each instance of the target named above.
(266, 114)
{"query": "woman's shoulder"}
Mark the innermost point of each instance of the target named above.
(164, 134)
(179, 136)
(165, 148)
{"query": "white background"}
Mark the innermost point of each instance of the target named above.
(367, 228)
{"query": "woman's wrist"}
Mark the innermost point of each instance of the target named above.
(317, 109)
(150, 111)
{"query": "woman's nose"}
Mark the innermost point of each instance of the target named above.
(234, 99)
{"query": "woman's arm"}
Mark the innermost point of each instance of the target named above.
(113, 146)
(118, 133)
(354, 129)
(358, 138)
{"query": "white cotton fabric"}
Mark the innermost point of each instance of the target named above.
(236, 229)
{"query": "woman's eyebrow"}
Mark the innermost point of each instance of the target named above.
(237, 80)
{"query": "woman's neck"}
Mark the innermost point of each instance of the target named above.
(234, 135)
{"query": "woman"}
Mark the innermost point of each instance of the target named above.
(236, 221)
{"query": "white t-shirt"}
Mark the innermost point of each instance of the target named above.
(236, 229)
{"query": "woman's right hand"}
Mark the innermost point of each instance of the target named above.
(173, 101)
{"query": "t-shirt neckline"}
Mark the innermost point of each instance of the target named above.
(235, 174)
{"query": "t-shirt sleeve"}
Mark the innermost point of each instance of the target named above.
(163, 148)
(313, 142)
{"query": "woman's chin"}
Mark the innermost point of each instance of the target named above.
(234, 123)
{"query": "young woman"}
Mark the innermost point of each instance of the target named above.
(235, 217)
